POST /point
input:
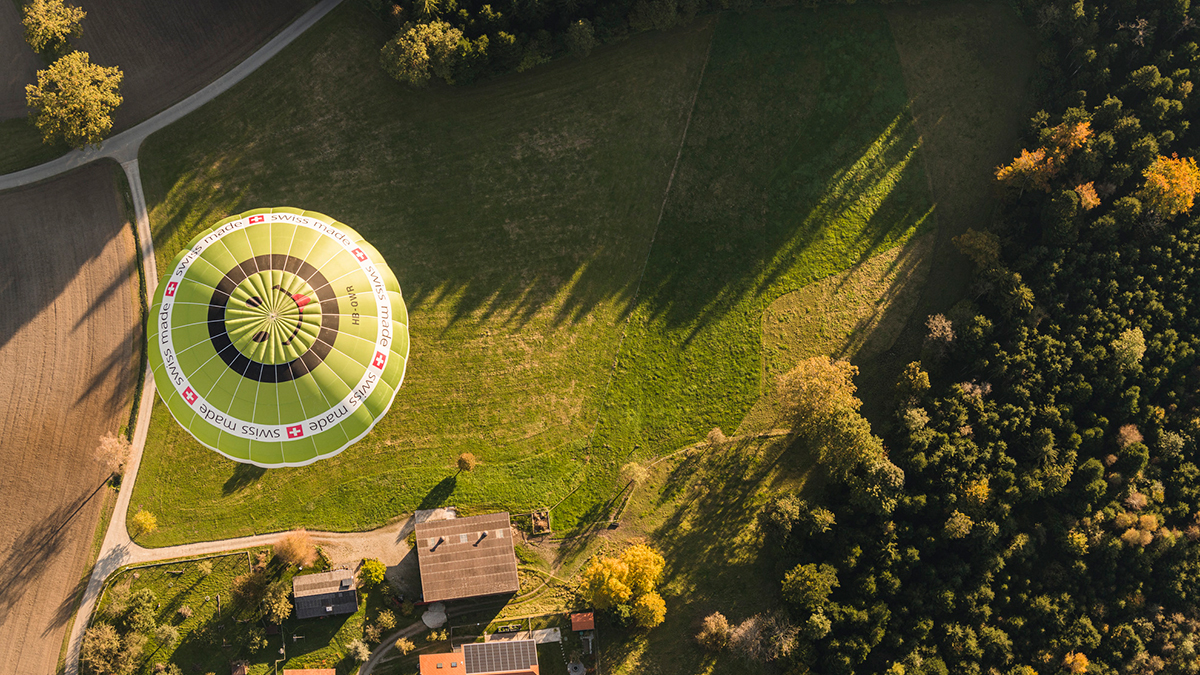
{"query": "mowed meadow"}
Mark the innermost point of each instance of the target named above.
(587, 249)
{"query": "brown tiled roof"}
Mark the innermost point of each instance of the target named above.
(466, 557)
(583, 621)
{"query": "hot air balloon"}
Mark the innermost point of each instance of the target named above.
(278, 337)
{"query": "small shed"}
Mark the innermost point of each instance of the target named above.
(466, 557)
(326, 594)
(583, 621)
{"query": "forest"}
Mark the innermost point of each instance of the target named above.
(1048, 519)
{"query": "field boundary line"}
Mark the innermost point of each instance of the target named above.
(662, 209)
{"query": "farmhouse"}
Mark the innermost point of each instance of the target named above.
(325, 594)
(510, 657)
(466, 557)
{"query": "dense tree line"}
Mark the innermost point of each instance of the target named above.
(1050, 512)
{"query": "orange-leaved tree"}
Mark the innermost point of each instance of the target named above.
(1171, 185)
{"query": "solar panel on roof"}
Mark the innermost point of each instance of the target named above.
(499, 657)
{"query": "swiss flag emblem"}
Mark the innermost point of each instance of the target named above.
(190, 396)
(295, 431)
(257, 219)
(379, 360)
(360, 254)
(170, 292)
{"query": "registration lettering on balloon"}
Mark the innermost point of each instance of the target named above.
(260, 356)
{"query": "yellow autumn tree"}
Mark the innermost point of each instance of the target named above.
(604, 583)
(1088, 199)
(1171, 185)
(649, 610)
(1075, 663)
(644, 567)
(1032, 170)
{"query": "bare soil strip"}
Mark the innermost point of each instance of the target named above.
(66, 341)
(18, 63)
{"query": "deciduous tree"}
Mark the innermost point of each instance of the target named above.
(296, 548)
(421, 51)
(143, 523)
(649, 610)
(372, 572)
(48, 23)
(1171, 185)
(73, 100)
(808, 586)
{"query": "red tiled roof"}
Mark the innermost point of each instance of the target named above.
(583, 621)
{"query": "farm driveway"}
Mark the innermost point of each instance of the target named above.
(69, 374)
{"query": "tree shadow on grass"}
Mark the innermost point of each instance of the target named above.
(439, 494)
(243, 476)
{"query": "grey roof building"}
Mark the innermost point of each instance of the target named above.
(325, 594)
(466, 557)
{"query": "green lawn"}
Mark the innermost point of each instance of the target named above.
(518, 215)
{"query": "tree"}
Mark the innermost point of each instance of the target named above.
(1129, 348)
(1171, 185)
(101, 646)
(633, 472)
(808, 586)
(48, 24)
(818, 399)
(186, 612)
(277, 606)
(143, 523)
(958, 525)
(765, 637)
(603, 584)
(372, 572)
(166, 635)
(112, 452)
(715, 632)
(649, 610)
(296, 548)
(141, 611)
(467, 462)
(1088, 199)
(644, 567)
(581, 38)
(386, 619)
(74, 99)
(358, 650)
(404, 645)
(421, 51)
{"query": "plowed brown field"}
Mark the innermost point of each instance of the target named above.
(67, 376)
(167, 50)
(18, 63)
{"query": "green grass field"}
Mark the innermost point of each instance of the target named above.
(518, 215)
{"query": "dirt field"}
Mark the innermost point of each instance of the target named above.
(18, 63)
(167, 50)
(66, 343)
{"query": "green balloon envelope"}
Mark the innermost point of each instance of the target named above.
(279, 337)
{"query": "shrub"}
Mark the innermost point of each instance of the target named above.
(372, 572)
(386, 619)
(296, 548)
(143, 523)
(404, 645)
(205, 567)
(358, 650)
(715, 632)
(166, 635)
(185, 612)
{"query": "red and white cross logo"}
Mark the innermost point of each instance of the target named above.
(171, 286)
(257, 219)
(190, 396)
(380, 359)
(360, 254)
(295, 431)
